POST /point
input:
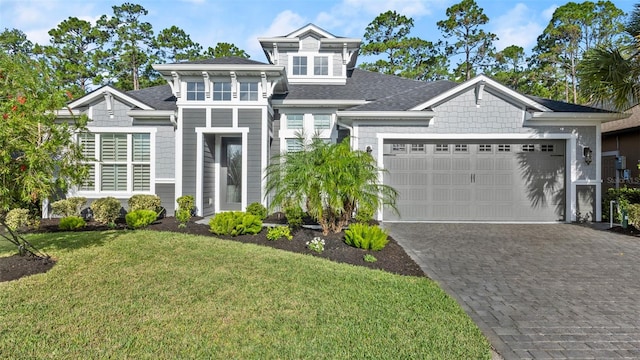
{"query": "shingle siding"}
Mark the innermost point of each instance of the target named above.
(101, 116)
(221, 117)
(165, 153)
(191, 119)
(252, 118)
(209, 176)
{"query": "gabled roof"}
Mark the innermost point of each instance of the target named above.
(560, 106)
(100, 92)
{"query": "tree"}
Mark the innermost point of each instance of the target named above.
(14, 41)
(463, 25)
(388, 34)
(74, 53)
(609, 76)
(574, 29)
(174, 45)
(330, 181)
(132, 39)
(509, 66)
(224, 50)
(38, 156)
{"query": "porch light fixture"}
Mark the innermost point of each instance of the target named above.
(369, 149)
(588, 155)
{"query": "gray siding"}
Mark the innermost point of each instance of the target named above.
(208, 181)
(275, 143)
(191, 118)
(309, 43)
(337, 65)
(101, 116)
(165, 152)
(167, 194)
(252, 118)
(221, 117)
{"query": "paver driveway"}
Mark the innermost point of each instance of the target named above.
(537, 290)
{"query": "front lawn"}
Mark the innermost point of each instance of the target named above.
(148, 294)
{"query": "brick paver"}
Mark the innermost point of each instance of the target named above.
(537, 291)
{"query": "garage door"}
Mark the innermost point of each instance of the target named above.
(476, 181)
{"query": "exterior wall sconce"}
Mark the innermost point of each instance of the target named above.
(369, 149)
(588, 155)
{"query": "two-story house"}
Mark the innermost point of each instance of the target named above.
(475, 151)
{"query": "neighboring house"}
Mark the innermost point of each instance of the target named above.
(455, 152)
(621, 138)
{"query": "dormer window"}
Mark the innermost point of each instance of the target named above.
(248, 91)
(222, 91)
(299, 65)
(321, 65)
(195, 90)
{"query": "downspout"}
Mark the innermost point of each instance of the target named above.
(351, 139)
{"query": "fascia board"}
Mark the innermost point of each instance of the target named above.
(316, 103)
(150, 113)
(453, 92)
(577, 116)
(114, 92)
(385, 115)
(238, 68)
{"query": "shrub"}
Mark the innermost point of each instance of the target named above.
(369, 258)
(294, 214)
(364, 214)
(140, 218)
(235, 223)
(71, 223)
(258, 210)
(624, 196)
(317, 244)
(146, 202)
(17, 218)
(186, 202)
(277, 232)
(366, 237)
(106, 210)
(183, 216)
(68, 207)
(633, 212)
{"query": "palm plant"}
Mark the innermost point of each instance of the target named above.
(329, 181)
(611, 76)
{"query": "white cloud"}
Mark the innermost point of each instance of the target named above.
(284, 23)
(409, 8)
(517, 27)
(548, 13)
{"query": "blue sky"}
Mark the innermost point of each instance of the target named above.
(242, 21)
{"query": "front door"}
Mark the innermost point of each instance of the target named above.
(231, 173)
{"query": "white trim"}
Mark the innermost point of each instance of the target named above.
(264, 159)
(150, 113)
(316, 103)
(598, 163)
(200, 132)
(179, 133)
(165, 180)
(385, 115)
(100, 92)
(570, 157)
(576, 116)
(489, 84)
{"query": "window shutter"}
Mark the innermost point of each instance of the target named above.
(141, 147)
(114, 147)
(141, 177)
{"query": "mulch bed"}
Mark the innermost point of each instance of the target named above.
(630, 230)
(392, 258)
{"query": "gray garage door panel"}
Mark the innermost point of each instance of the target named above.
(481, 181)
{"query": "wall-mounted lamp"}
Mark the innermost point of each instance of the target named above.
(369, 149)
(588, 155)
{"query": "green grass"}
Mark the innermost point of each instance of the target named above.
(145, 294)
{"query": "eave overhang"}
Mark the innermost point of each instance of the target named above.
(198, 69)
(151, 114)
(350, 116)
(577, 116)
(280, 103)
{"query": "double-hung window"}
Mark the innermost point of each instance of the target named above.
(141, 162)
(195, 90)
(113, 150)
(295, 121)
(299, 65)
(321, 65)
(248, 91)
(322, 121)
(222, 91)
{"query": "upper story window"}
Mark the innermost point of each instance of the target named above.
(322, 121)
(248, 91)
(299, 65)
(295, 121)
(195, 90)
(222, 91)
(294, 145)
(321, 65)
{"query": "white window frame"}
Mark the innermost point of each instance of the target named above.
(250, 93)
(293, 144)
(290, 120)
(226, 91)
(299, 67)
(315, 122)
(197, 91)
(317, 65)
(96, 163)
